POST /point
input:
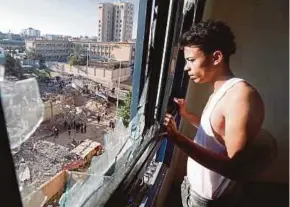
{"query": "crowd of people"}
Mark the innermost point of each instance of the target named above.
(77, 126)
(90, 88)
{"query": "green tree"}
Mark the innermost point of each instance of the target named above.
(77, 58)
(13, 67)
(72, 60)
(124, 110)
(33, 55)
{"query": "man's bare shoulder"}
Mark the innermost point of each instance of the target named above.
(244, 92)
(244, 101)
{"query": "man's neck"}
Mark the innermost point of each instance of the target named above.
(222, 78)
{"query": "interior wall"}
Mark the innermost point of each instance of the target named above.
(261, 30)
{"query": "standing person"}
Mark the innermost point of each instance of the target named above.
(99, 118)
(230, 122)
(77, 127)
(74, 124)
(69, 130)
(113, 125)
(82, 128)
(85, 127)
(65, 124)
(56, 132)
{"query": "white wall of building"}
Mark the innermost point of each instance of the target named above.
(105, 22)
(105, 76)
(30, 32)
(115, 22)
(123, 21)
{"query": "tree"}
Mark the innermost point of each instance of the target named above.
(72, 60)
(13, 67)
(33, 55)
(124, 111)
(77, 58)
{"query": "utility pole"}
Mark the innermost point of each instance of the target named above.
(118, 87)
(88, 50)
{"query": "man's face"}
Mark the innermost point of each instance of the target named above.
(199, 67)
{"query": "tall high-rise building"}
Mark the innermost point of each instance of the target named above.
(115, 22)
(105, 22)
(123, 21)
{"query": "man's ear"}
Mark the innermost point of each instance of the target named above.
(217, 57)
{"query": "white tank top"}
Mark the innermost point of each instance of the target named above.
(207, 183)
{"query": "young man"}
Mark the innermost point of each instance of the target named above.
(230, 122)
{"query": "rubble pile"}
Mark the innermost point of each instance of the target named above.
(37, 160)
(44, 159)
(91, 105)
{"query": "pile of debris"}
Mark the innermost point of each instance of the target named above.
(37, 162)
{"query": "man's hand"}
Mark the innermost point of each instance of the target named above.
(181, 106)
(193, 119)
(170, 125)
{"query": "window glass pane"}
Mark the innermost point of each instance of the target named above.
(64, 99)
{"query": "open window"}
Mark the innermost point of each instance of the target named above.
(137, 155)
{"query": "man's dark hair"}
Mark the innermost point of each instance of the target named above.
(210, 36)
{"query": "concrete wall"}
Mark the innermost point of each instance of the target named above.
(101, 75)
(54, 185)
(50, 110)
(46, 191)
(122, 52)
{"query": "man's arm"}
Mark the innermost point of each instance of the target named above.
(211, 160)
(242, 124)
(191, 118)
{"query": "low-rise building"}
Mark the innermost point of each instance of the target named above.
(7, 44)
(56, 37)
(60, 50)
(51, 50)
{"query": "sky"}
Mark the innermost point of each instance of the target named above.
(61, 17)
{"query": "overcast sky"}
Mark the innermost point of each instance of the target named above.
(64, 17)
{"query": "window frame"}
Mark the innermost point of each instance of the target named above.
(141, 74)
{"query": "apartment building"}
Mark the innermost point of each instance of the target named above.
(105, 22)
(123, 21)
(115, 22)
(52, 50)
(30, 32)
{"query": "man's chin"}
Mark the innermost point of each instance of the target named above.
(195, 80)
